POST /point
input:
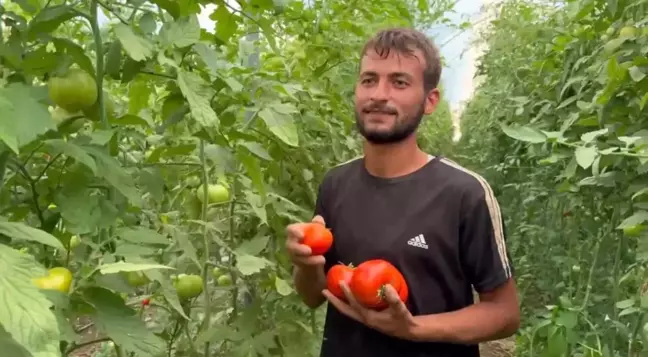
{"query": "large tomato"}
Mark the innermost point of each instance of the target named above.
(337, 273)
(318, 238)
(189, 286)
(58, 278)
(369, 280)
(217, 193)
(75, 90)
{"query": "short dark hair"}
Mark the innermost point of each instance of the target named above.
(406, 41)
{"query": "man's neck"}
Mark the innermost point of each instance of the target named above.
(393, 160)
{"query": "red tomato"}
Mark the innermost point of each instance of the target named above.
(318, 238)
(369, 280)
(146, 302)
(337, 273)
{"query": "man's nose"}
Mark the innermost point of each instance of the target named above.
(380, 91)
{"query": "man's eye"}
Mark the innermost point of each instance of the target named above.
(401, 83)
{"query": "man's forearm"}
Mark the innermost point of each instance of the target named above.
(484, 321)
(309, 284)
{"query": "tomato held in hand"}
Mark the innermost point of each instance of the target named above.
(318, 238)
(337, 273)
(74, 91)
(58, 278)
(369, 280)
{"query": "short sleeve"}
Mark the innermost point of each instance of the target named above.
(484, 254)
(323, 196)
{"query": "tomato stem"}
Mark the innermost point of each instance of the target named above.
(207, 242)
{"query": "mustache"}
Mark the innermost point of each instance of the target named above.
(381, 108)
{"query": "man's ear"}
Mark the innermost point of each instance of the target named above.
(431, 101)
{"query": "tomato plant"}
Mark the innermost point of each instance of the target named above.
(163, 102)
(74, 91)
(369, 280)
(318, 238)
(335, 275)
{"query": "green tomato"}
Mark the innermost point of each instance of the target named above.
(67, 122)
(75, 90)
(74, 241)
(217, 193)
(193, 181)
(217, 272)
(224, 280)
(627, 32)
(136, 278)
(633, 231)
(189, 286)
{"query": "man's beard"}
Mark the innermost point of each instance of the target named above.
(403, 128)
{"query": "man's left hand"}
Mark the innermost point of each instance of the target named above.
(395, 320)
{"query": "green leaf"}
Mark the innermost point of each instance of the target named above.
(249, 264)
(588, 137)
(281, 125)
(226, 22)
(72, 150)
(123, 266)
(121, 323)
(585, 156)
(182, 33)
(282, 287)
(141, 235)
(637, 218)
(110, 170)
(139, 91)
(49, 19)
(76, 52)
(138, 48)
(636, 74)
(83, 210)
(25, 312)
(22, 118)
(193, 89)
(10, 347)
(524, 133)
(21, 231)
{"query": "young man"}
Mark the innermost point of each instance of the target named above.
(437, 222)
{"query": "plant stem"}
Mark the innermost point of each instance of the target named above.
(205, 268)
(96, 32)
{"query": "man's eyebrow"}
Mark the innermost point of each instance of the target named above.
(392, 75)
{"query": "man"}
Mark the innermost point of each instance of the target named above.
(437, 222)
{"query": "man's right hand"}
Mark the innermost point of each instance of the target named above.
(300, 254)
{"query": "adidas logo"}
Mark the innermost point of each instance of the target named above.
(418, 241)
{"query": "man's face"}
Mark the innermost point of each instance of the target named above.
(390, 100)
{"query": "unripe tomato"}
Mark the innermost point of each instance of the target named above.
(74, 241)
(64, 122)
(189, 286)
(136, 278)
(318, 238)
(337, 273)
(74, 91)
(633, 231)
(217, 272)
(58, 278)
(627, 32)
(216, 193)
(224, 280)
(369, 280)
(193, 181)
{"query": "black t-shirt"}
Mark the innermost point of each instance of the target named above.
(441, 226)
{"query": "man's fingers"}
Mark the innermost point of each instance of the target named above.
(342, 306)
(318, 219)
(394, 301)
(298, 249)
(310, 260)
